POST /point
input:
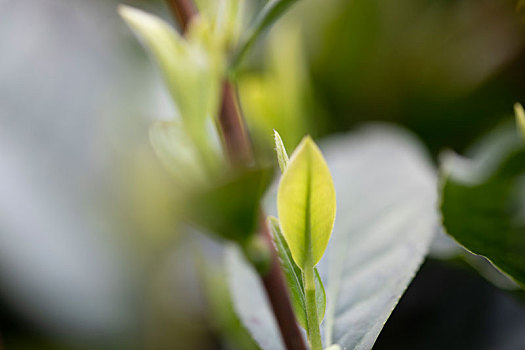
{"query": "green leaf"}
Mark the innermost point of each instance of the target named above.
(225, 18)
(266, 17)
(306, 204)
(228, 22)
(230, 209)
(520, 119)
(294, 278)
(483, 201)
(282, 156)
(158, 36)
(280, 97)
(218, 299)
(191, 71)
(387, 217)
(250, 301)
(177, 153)
(190, 165)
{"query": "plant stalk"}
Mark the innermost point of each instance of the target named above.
(277, 293)
(183, 11)
(312, 318)
(238, 147)
(235, 137)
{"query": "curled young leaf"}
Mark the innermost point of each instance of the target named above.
(294, 278)
(306, 204)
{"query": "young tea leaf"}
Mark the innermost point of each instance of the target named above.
(282, 156)
(306, 204)
(294, 278)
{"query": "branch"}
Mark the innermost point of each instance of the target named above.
(231, 123)
(183, 11)
(238, 147)
(277, 292)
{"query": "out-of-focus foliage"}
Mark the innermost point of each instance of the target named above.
(483, 201)
(448, 70)
(192, 71)
(266, 16)
(176, 152)
(219, 200)
(230, 209)
(280, 97)
(226, 19)
(520, 7)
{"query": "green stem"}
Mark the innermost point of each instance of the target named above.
(314, 333)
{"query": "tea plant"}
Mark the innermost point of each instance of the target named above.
(385, 186)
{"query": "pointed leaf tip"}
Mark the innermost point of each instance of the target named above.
(306, 204)
(143, 23)
(157, 36)
(282, 156)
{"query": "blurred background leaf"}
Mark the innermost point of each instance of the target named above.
(482, 202)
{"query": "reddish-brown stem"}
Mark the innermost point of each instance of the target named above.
(235, 138)
(277, 293)
(239, 150)
(183, 11)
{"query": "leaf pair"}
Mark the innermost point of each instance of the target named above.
(304, 241)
